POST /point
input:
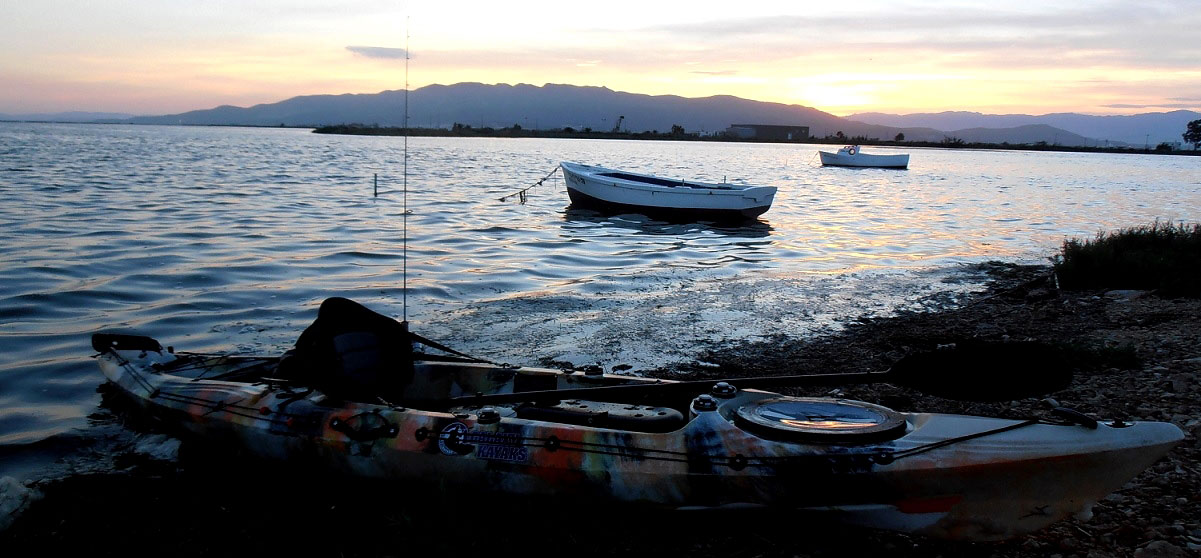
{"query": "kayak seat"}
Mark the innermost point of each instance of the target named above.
(350, 352)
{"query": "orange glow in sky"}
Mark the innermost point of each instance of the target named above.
(1105, 57)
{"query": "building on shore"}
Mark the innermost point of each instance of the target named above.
(768, 132)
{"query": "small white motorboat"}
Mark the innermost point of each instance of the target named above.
(609, 189)
(853, 156)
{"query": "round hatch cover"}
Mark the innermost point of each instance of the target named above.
(821, 420)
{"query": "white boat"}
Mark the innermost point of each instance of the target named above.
(853, 156)
(610, 189)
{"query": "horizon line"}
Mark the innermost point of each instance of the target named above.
(1150, 109)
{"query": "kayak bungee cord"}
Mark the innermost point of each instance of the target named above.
(231, 373)
(232, 408)
(554, 443)
(200, 361)
(133, 373)
(739, 461)
(942, 443)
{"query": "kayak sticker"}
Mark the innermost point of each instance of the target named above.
(457, 439)
(504, 446)
(450, 441)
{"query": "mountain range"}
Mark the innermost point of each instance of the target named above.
(557, 106)
(1137, 129)
(554, 106)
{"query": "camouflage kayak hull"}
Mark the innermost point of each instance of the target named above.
(950, 476)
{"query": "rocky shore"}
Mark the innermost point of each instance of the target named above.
(1137, 357)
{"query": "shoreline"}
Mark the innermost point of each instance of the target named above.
(1140, 360)
(356, 130)
(950, 143)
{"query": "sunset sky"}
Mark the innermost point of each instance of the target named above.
(167, 56)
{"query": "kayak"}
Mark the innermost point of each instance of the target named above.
(355, 398)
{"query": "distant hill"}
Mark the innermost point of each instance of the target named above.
(553, 106)
(1136, 129)
(74, 116)
(1030, 133)
(558, 106)
(545, 107)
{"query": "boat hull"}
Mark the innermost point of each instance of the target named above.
(611, 190)
(580, 199)
(949, 476)
(864, 160)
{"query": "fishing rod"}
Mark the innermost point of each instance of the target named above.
(971, 371)
(404, 258)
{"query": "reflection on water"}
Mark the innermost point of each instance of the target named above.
(217, 239)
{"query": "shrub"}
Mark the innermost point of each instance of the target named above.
(1161, 257)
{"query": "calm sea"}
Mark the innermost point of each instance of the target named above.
(227, 239)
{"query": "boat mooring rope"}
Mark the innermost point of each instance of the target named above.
(520, 194)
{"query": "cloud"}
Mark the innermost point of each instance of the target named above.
(1160, 35)
(716, 73)
(1154, 106)
(387, 53)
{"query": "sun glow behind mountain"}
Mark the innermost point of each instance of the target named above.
(1035, 57)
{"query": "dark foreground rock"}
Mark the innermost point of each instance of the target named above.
(1137, 357)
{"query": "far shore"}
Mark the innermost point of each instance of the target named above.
(569, 133)
(486, 132)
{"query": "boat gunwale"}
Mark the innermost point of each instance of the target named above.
(618, 178)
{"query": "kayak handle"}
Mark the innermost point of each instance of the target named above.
(123, 342)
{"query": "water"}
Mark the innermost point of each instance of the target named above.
(227, 239)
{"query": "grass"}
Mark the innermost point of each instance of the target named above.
(1160, 257)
